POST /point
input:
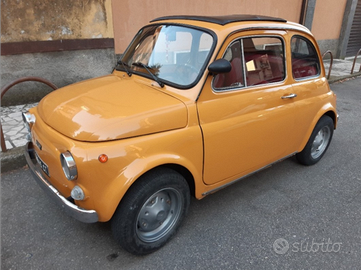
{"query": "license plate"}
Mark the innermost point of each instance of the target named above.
(42, 164)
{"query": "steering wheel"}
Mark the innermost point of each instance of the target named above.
(186, 74)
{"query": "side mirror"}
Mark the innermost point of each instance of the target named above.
(220, 66)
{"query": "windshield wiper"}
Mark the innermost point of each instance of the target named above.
(140, 64)
(124, 66)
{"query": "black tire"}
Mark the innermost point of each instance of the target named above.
(318, 142)
(151, 211)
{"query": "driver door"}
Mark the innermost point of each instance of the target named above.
(246, 117)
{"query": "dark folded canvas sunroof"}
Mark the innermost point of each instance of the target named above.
(222, 20)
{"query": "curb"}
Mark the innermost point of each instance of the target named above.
(14, 158)
(340, 78)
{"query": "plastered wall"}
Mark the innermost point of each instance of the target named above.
(130, 15)
(328, 19)
(40, 20)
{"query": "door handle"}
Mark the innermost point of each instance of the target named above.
(289, 96)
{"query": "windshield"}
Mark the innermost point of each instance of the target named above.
(168, 53)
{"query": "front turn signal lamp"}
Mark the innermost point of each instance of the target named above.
(77, 193)
(103, 158)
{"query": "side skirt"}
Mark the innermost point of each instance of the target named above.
(247, 175)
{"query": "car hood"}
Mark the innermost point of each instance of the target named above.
(111, 108)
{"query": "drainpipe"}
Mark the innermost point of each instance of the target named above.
(303, 12)
(307, 12)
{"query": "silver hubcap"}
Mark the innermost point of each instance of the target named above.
(159, 214)
(320, 142)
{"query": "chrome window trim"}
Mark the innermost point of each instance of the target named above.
(202, 70)
(245, 86)
(284, 27)
(318, 75)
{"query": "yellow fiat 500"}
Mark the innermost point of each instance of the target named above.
(194, 104)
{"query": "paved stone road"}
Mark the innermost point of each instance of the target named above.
(13, 127)
(342, 68)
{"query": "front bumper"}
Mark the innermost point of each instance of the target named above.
(87, 216)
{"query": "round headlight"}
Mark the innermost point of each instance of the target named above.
(69, 166)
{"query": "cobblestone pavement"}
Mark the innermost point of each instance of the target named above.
(12, 124)
(342, 68)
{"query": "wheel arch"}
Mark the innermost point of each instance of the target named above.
(333, 116)
(328, 111)
(188, 176)
(123, 185)
(165, 189)
(183, 171)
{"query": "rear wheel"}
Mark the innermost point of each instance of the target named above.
(318, 142)
(151, 211)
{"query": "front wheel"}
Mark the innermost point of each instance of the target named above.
(318, 142)
(151, 211)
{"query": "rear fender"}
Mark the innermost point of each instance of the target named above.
(327, 109)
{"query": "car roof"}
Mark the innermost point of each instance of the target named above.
(221, 20)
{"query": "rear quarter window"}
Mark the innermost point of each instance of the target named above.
(305, 61)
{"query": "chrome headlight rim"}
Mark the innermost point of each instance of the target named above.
(69, 166)
(29, 120)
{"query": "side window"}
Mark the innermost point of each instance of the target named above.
(305, 62)
(260, 59)
(234, 78)
(264, 57)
